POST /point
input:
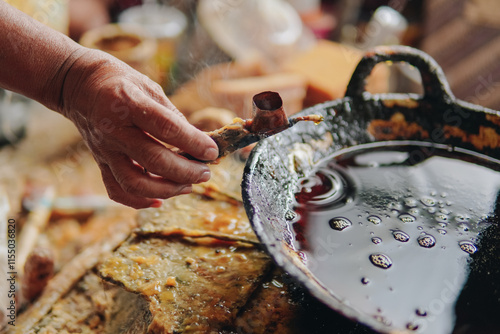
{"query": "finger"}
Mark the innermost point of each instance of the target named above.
(170, 128)
(116, 193)
(159, 160)
(133, 180)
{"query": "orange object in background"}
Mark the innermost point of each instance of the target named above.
(328, 67)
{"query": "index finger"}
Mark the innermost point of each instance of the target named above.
(169, 127)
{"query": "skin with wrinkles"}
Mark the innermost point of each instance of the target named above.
(123, 116)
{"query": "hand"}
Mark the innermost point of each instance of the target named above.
(125, 118)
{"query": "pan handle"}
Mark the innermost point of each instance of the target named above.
(433, 79)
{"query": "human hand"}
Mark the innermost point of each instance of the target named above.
(124, 117)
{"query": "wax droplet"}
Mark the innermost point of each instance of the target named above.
(340, 223)
(381, 260)
(365, 280)
(376, 240)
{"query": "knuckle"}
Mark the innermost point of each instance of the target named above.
(171, 128)
(133, 186)
(155, 157)
(157, 89)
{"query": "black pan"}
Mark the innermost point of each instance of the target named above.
(278, 165)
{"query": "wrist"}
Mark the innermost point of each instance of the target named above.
(53, 94)
(79, 74)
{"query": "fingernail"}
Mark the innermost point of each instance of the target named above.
(211, 154)
(156, 204)
(186, 190)
(205, 176)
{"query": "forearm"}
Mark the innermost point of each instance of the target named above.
(34, 59)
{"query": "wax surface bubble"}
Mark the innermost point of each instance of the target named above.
(467, 247)
(290, 215)
(340, 223)
(463, 226)
(374, 220)
(411, 326)
(407, 218)
(381, 260)
(413, 211)
(400, 236)
(428, 201)
(383, 320)
(426, 240)
(411, 202)
(441, 218)
(421, 312)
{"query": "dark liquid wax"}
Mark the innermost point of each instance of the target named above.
(407, 234)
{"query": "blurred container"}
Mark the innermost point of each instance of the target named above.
(53, 13)
(166, 24)
(129, 43)
(270, 30)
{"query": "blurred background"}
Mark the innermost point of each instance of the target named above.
(218, 53)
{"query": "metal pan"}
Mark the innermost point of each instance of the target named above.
(277, 166)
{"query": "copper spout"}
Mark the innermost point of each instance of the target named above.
(269, 119)
(269, 115)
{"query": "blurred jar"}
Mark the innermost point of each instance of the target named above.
(53, 13)
(129, 43)
(166, 24)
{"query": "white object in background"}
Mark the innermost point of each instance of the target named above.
(158, 20)
(384, 28)
(244, 29)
